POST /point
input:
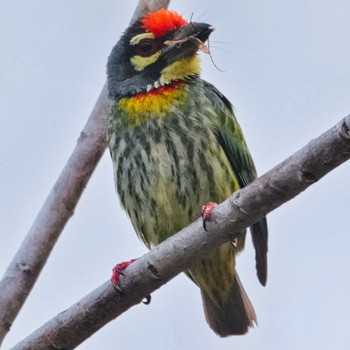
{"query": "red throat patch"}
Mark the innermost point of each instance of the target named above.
(162, 22)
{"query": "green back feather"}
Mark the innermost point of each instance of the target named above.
(231, 139)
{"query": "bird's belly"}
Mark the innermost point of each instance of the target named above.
(162, 184)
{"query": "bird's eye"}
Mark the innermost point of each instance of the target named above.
(146, 47)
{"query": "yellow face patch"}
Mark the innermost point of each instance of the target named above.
(137, 38)
(140, 63)
(155, 103)
(180, 69)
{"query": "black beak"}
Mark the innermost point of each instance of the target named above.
(186, 41)
(194, 30)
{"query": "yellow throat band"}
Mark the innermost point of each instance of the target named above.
(155, 103)
(181, 69)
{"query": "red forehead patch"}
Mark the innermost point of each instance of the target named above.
(162, 22)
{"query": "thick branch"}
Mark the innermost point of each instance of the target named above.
(28, 262)
(282, 183)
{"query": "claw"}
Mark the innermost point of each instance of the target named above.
(207, 210)
(234, 242)
(117, 271)
(147, 300)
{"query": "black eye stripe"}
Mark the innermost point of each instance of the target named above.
(146, 47)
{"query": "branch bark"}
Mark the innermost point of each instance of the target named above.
(71, 327)
(59, 206)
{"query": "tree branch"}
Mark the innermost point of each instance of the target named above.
(71, 327)
(59, 206)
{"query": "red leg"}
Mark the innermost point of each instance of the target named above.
(118, 270)
(207, 209)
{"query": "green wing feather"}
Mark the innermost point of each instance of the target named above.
(232, 141)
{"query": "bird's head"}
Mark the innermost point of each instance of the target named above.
(157, 50)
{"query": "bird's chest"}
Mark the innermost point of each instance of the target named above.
(165, 170)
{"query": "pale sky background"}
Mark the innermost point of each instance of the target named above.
(287, 71)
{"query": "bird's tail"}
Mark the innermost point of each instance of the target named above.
(236, 314)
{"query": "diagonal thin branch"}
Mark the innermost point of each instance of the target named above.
(71, 327)
(31, 257)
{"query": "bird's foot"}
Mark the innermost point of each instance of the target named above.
(118, 271)
(207, 210)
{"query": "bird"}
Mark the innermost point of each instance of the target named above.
(175, 144)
